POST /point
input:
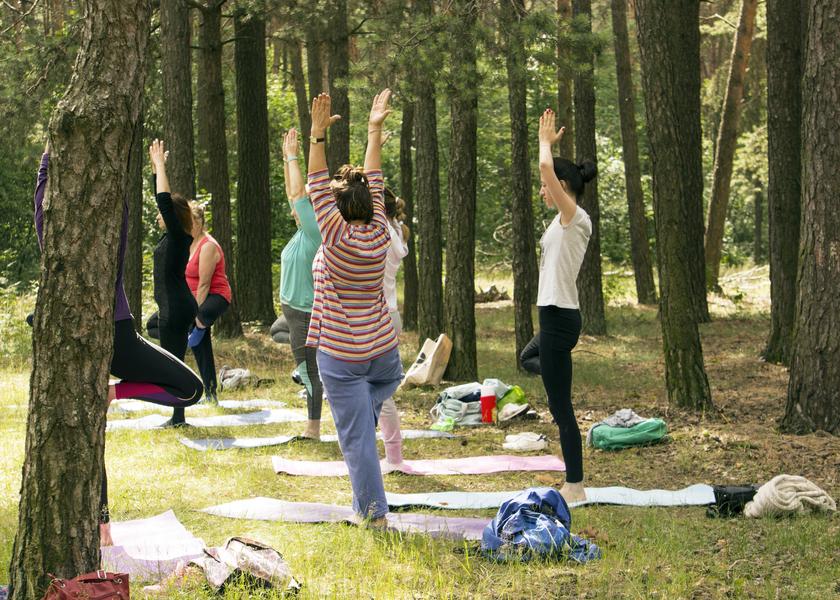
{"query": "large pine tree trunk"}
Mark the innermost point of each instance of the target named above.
(565, 77)
(639, 245)
(314, 68)
(133, 277)
(338, 149)
(213, 143)
(253, 225)
(430, 255)
(460, 235)
(813, 400)
(524, 253)
(91, 134)
(301, 98)
(727, 140)
(175, 65)
(410, 283)
(589, 281)
(785, 27)
(669, 41)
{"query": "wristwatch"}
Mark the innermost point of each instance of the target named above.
(314, 140)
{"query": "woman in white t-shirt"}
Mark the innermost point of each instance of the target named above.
(563, 247)
(389, 417)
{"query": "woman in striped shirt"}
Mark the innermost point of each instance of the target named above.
(358, 358)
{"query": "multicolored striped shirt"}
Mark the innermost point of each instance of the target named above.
(350, 318)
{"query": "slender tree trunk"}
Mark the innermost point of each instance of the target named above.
(299, 82)
(639, 245)
(813, 401)
(758, 223)
(727, 140)
(589, 281)
(133, 279)
(338, 150)
(522, 211)
(669, 41)
(175, 67)
(213, 143)
(253, 232)
(410, 283)
(460, 235)
(785, 29)
(314, 67)
(565, 77)
(58, 516)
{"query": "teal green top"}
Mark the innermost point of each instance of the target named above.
(296, 286)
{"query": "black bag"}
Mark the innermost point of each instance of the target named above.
(730, 500)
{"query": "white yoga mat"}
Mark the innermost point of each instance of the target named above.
(263, 417)
(277, 440)
(472, 465)
(694, 495)
(130, 406)
(150, 549)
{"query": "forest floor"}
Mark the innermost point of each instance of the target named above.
(648, 552)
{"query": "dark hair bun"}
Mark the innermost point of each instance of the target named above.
(588, 170)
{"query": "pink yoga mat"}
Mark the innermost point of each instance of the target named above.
(474, 465)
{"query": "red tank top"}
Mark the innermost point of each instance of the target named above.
(219, 282)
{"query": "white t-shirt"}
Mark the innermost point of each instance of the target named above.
(563, 247)
(396, 252)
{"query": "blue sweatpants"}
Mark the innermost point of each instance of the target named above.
(356, 391)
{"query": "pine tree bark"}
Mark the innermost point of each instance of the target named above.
(133, 276)
(65, 432)
(589, 281)
(410, 282)
(639, 244)
(463, 173)
(314, 68)
(176, 72)
(813, 401)
(785, 29)
(522, 211)
(727, 140)
(669, 41)
(338, 149)
(253, 226)
(565, 78)
(215, 177)
(301, 97)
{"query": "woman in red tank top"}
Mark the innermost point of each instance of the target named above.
(209, 284)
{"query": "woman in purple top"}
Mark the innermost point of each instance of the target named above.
(146, 371)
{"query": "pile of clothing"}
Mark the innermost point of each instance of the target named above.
(460, 405)
(782, 495)
(625, 429)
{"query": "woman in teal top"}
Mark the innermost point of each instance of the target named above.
(297, 291)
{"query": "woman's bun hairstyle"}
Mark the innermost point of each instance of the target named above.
(575, 174)
(352, 194)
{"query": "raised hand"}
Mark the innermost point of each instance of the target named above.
(321, 117)
(379, 110)
(290, 144)
(158, 155)
(547, 133)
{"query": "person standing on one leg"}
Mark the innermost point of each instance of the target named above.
(297, 287)
(563, 247)
(176, 305)
(208, 282)
(358, 357)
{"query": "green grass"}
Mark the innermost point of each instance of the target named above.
(648, 553)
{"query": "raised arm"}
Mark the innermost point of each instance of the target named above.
(321, 121)
(548, 136)
(157, 154)
(378, 113)
(40, 188)
(294, 180)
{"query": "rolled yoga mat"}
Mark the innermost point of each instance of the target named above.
(473, 465)
(259, 442)
(150, 549)
(262, 417)
(694, 495)
(270, 509)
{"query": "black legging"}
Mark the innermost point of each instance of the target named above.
(530, 356)
(211, 309)
(559, 332)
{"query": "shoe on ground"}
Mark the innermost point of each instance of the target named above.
(510, 411)
(525, 442)
(170, 424)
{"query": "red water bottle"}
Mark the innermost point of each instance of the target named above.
(488, 404)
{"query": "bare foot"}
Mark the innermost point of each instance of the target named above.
(360, 521)
(573, 492)
(105, 535)
(313, 430)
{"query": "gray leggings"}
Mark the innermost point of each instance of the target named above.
(305, 359)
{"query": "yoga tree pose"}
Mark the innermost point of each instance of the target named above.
(563, 247)
(176, 305)
(358, 357)
(146, 372)
(208, 282)
(297, 287)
